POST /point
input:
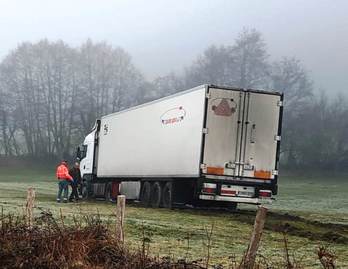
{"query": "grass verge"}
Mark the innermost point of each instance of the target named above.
(182, 233)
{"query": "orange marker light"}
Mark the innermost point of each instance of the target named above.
(215, 170)
(262, 174)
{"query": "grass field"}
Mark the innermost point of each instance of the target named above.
(314, 210)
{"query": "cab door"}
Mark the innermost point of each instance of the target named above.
(87, 162)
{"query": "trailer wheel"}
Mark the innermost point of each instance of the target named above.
(232, 207)
(167, 195)
(145, 194)
(156, 195)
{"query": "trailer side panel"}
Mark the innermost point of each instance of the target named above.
(159, 139)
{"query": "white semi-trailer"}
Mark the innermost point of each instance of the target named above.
(208, 143)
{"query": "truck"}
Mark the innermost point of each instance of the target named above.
(209, 145)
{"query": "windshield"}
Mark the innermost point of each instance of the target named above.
(81, 151)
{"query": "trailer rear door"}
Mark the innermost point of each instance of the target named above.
(242, 133)
(261, 135)
(224, 113)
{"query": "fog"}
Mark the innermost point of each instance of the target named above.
(164, 36)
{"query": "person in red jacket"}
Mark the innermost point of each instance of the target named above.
(64, 178)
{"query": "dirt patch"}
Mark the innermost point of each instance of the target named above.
(290, 224)
(314, 230)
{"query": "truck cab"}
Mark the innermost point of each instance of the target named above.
(85, 152)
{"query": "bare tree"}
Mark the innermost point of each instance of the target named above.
(166, 85)
(214, 66)
(56, 92)
(108, 82)
(290, 77)
(39, 76)
(250, 60)
(243, 64)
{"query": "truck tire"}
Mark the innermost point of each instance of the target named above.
(156, 195)
(107, 195)
(84, 191)
(167, 195)
(145, 194)
(232, 207)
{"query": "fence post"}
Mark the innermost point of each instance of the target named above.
(120, 209)
(29, 206)
(250, 256)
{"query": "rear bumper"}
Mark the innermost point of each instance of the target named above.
(270, 184)
(246, 200)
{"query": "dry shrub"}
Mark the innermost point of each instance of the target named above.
(327, 258)
(87, 244)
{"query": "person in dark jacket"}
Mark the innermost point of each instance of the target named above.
(75, 173)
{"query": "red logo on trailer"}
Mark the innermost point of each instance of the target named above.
(223, 106)
(174, 115)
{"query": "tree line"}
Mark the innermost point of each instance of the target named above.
(51, 94)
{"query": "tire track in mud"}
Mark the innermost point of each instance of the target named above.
(284, 223)
(311, 229)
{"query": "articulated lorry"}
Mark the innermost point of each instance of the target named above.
(209, 145)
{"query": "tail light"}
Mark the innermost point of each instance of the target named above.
(265, 193)
(209, 188)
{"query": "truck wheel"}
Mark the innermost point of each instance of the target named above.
(167, 195)
(145, 194)
(84, 191)
(232, 207)
(107, 195)
(156, 195)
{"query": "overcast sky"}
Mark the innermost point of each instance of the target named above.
(166, 35)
